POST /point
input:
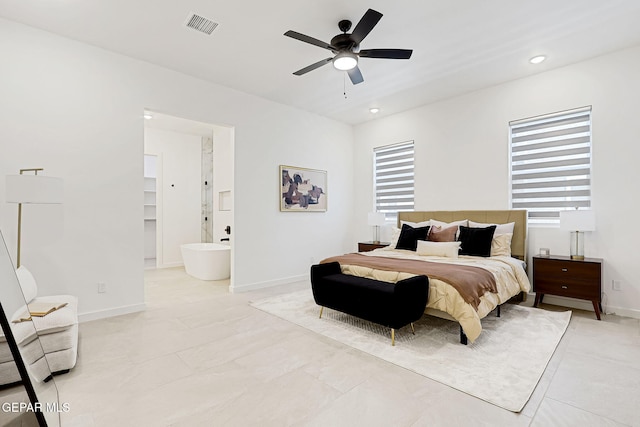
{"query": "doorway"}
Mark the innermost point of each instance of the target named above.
(193, 198)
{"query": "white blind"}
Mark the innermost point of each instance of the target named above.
(551, 164)
(394, 178)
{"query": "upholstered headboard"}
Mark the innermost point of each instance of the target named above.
(519, 216)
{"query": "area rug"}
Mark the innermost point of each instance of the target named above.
(503, 366)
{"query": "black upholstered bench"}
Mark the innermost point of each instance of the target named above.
(393, 305)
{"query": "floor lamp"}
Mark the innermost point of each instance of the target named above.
(31, 189)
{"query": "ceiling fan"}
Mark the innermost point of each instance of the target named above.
(345, 46)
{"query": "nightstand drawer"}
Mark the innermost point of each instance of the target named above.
(571, 289)
(562, 270)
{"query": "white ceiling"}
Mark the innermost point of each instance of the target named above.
(459, 45)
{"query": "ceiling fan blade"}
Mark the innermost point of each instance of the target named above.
(310, 40)
(355, 75)
(366, 24)
(386, 53)
(312, 67)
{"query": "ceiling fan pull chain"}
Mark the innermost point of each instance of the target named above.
(344, 85)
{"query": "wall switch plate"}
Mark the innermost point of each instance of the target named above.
(102, 287)
(616, 285)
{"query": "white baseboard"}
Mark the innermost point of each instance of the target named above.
(268, 283)
(587, 305)
(111, 312)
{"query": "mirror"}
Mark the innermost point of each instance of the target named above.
(29, 396)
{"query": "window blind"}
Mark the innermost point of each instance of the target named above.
(551, 164)
(394, 178)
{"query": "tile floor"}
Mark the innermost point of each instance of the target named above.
(200, 356)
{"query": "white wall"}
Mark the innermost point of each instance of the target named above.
(178, 191)
(76, 110)
(461, 149)
(222, 180)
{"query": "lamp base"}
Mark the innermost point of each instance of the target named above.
(577, 245)
(376, 236)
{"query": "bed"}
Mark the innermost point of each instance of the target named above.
(446, 299)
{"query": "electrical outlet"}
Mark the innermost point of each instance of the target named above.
(102, 287)
(616, 285)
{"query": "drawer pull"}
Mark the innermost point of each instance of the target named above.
(565, 287)
(565, 270)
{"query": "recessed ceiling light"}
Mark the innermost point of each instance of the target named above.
(148, 116)
(374, 110)
(537, 59)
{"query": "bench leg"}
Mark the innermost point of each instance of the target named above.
(413, 331)
(320, 317)
(393, 336)
(498, 313)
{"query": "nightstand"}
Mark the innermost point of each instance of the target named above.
(563, 276)
(369, 246)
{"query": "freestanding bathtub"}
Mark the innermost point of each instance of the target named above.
(207, 261)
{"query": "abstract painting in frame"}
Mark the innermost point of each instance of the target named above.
(302, 189)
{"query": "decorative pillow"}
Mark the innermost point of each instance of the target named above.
(464, 222)
(501, 245)
(395, 234)
(409, 237)
(415, 224)
(445, 249)
(27, 283)
(438, 234)
(500, 228)
(476, 241)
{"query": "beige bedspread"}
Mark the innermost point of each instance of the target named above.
(470, 282)
(509, 274)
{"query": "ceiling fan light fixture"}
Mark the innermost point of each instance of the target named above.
(345, 61)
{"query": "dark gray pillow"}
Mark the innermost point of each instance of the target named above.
(476, 241)
(409, 237)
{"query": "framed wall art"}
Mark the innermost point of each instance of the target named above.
(302, 189)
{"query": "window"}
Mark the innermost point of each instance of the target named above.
(394, 183)
(551, 164)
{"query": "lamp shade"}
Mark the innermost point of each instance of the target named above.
(376, 218)
(577, 220)
(33, 189)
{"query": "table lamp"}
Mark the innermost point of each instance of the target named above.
(31, 189)
(577, 222)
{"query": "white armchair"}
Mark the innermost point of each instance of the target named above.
(58, 333)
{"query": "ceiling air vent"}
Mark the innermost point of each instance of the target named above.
(200, 23)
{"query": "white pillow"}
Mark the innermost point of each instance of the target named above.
(445, 249)
(395, 235)
(501, 245)
(27, 283)
(500, 228)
